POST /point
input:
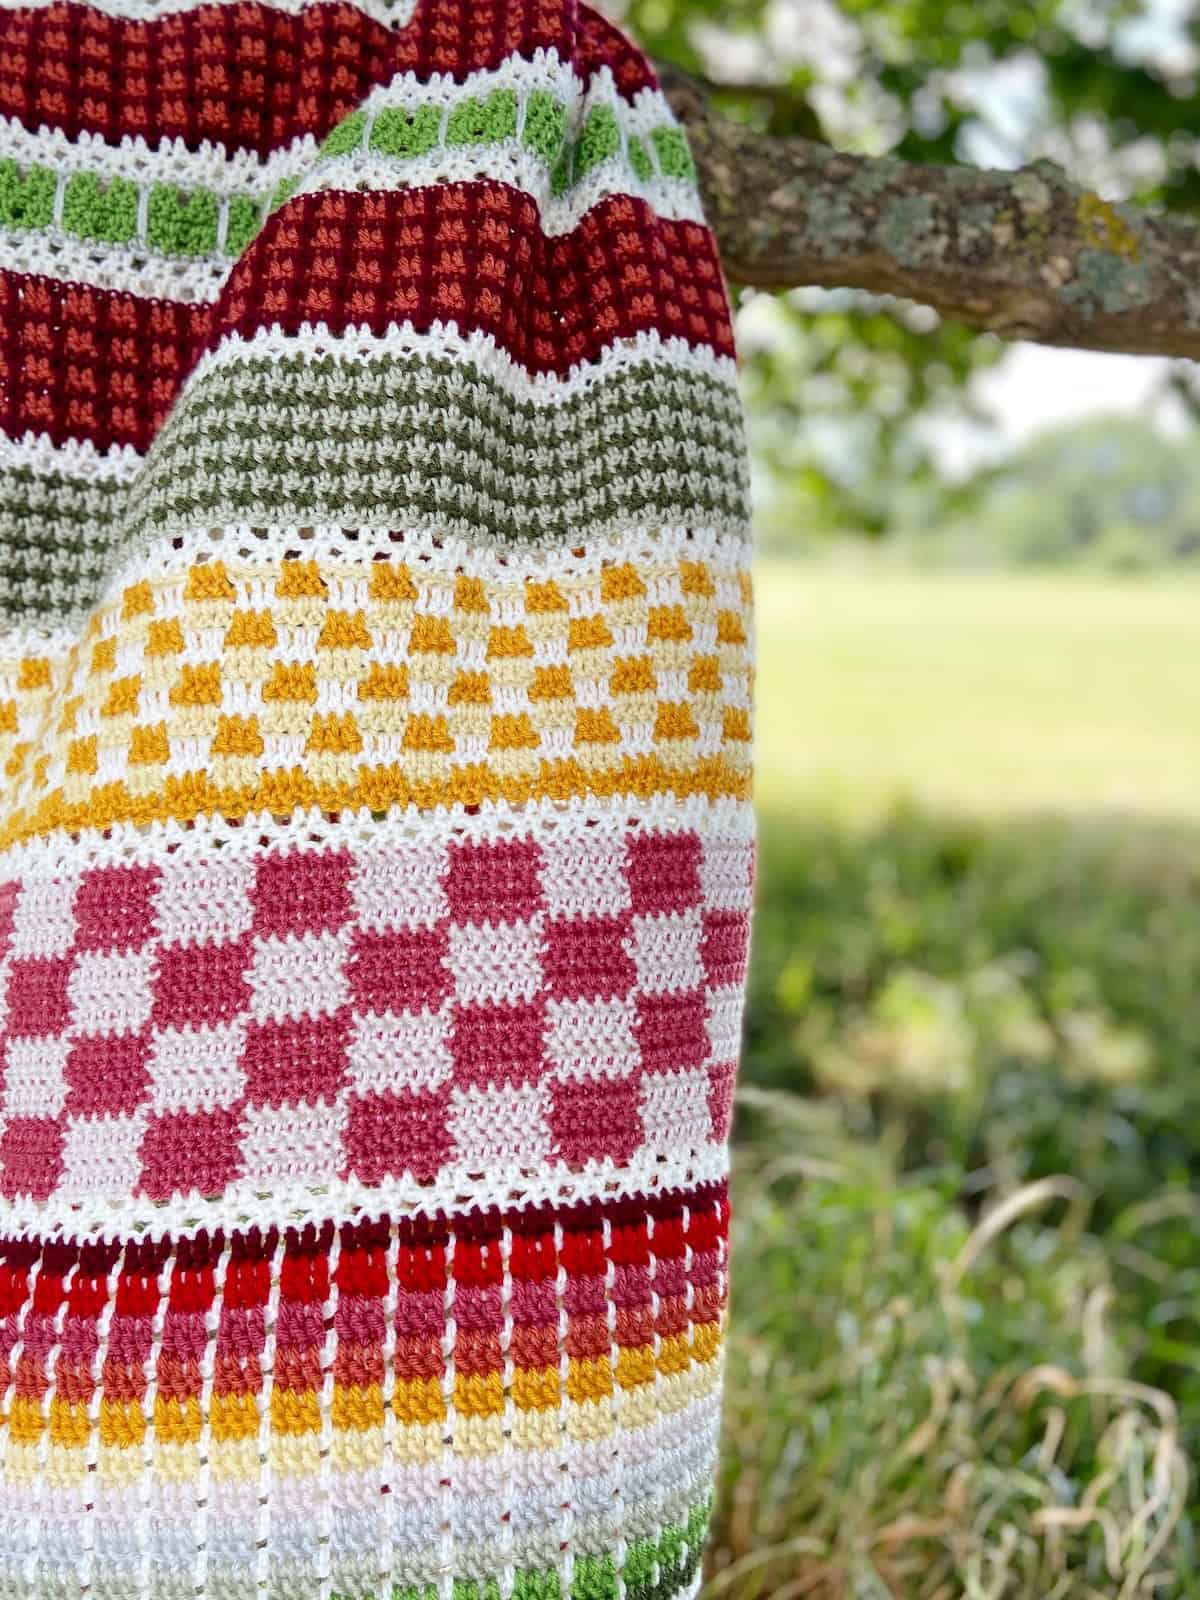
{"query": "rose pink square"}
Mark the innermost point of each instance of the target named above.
(498, 1044)
(114, 908)
(586, 958)
(663, 870)
(725, 947)
(38, 1000)
(202, 984)
(494, 880)
(596, 1120)
(302, 891)
(400, 969)
(671, 1031)
(108, 1076)
(183, 1151)
(31, 1157)
(722, 1080)
(8, 909)
(296, 1059)
(394, 1133)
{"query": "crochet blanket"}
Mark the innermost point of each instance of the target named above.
(375, 842)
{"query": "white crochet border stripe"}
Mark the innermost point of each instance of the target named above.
(457, 1190)
(258, 833)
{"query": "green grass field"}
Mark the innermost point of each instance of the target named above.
(991, 694)
(965, 1352)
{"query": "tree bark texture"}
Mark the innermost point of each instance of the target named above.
(1026, 254)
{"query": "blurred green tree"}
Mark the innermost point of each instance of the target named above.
(1113, 494)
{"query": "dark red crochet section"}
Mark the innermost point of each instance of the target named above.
(84, 363)
(475, 254)
(598, 44)
(252, 77)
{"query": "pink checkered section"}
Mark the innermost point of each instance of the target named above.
(292, 1015)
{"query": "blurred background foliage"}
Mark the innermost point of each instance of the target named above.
(1111, 494)
(966, 1336)
(848, 391)
(966, 1347)
(965, 1354)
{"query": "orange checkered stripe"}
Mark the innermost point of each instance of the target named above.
(239, 687)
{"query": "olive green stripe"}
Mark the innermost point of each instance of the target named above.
(399, 439)
(395, 440)
(365, 407)
(58, 537)
(443, 378)
(376, 402)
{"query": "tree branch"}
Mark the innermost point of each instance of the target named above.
(1027, 255)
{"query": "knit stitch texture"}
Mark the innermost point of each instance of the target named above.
(375, 842)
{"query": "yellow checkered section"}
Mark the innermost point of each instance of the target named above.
(265, 687)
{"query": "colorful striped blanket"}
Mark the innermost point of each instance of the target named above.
(375, 841)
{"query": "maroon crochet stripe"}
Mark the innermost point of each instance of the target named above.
(84, 363)
(90, 364)
(251, 77)
(599, 44)
(475, 254)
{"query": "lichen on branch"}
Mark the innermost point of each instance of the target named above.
(1027, 254)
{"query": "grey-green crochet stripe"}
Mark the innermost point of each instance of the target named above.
(58, 536)
(186, 224)
(319, 439)
(397, 441)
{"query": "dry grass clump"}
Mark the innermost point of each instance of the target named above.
(923, 1405)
